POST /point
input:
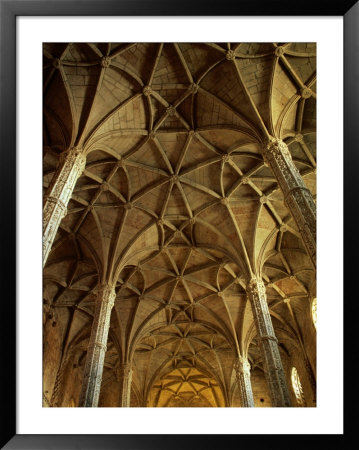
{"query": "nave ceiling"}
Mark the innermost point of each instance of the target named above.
(177, 207)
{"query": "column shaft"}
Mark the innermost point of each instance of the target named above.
(296, 195)
(311, 377)
(91, 384)
(124, 375)
(243, 376)
(269, 345)
(70, 167)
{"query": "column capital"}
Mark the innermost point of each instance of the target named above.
(106, 293)
(123, 370)
(255, 286)
(275, 147)
(75, 156)
(242, 365)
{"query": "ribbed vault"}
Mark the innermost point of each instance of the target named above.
(178, 208)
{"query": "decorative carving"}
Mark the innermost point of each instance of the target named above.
(123, 370)
(124, 377)
(225, 158)
(105, 62)
(279, 51)
(128, 206)
(70, 166)
(230, 55)
(243, 377)
(147, 91)
(294, 190)
(271, 338)
(245, 180)
(276, 148)
(171, 110)
(242, 365)
(193, 88)
(297, 196)
(91, 384)
(98, 345)
(56, 63)
(120, 163)
(268, 342)
(306, 93)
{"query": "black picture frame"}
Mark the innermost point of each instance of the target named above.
(9, 10)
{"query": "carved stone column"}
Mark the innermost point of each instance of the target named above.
(91, 384)
(297, 196)
(124, 376)
(243, 376)
(71, 165)
(269, 344)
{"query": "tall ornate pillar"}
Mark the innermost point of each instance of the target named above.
(243, 376)
(269, 344)
(71, 165)
(124, 376)
(297, 196)
(91, 384)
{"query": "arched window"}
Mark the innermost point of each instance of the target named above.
(297, 387)
(314, 311)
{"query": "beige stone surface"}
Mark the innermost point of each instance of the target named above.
(177, 209)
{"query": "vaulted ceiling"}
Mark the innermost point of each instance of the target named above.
(176, 205)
